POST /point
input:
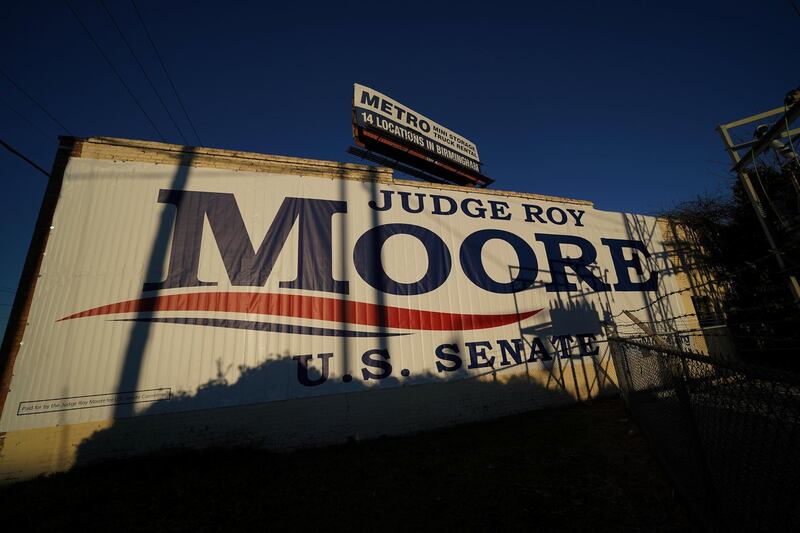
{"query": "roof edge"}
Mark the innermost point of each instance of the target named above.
(120, 149)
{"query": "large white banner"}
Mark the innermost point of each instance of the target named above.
(170, 288)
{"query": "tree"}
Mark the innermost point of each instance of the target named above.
(762, 316)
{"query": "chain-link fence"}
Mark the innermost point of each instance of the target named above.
(726, 433)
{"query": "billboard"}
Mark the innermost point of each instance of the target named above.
(385, 123)
(159, 282)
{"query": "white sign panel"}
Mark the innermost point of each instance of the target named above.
(169, 288)
(376, 111)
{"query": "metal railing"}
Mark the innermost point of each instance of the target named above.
(726, 433)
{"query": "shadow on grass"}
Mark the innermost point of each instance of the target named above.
(268, 407)
(581, 467)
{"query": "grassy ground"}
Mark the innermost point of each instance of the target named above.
(582, 467)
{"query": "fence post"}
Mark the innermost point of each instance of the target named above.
(703, 416)
(619, 357)
(681, 376)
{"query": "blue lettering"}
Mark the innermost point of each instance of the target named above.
(517, 352)
(480, 212)
(367, 259)
(538, 351)
(450, 357)
(562, 216)
(380, 361)
(562, 344)
(580, 265)
(244, 265)
(420, 202)
(437, 208)
(622, 266)
(577, 215)
(387, 201)
(302, 369)
(471, 256)
(533, 211)
(477, 350)
(498, 210)
(587, 344)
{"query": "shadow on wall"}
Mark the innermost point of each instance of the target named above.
(559, 335)
(140, 333)
(657, 310)
(571, 317)
(267, 407)
(236, 415)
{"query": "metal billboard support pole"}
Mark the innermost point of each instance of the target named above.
(647, 329)
(756, 147)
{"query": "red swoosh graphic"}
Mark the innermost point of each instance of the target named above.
(312, 307)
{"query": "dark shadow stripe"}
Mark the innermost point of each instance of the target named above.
(263, 326)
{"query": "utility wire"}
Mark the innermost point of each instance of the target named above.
(35, 102)
(23, 157)
(163, 66)
(114, 69)
(26, 119)
(141, 67)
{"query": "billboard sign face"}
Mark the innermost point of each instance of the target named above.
(160, 282)
(379, 113)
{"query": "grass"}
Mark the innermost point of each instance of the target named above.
(583, 467)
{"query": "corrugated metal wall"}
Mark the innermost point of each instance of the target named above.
(88, 357)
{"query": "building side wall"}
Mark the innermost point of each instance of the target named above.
(694, 281)
(62, 438)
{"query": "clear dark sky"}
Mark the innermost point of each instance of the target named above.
(615, 102)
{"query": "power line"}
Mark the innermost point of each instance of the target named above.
(23, 157)
(141, 67)
(114, 69)
(25, 119)
(163, 66)
(35, 102)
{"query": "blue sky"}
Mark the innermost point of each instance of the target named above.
(614, 102)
